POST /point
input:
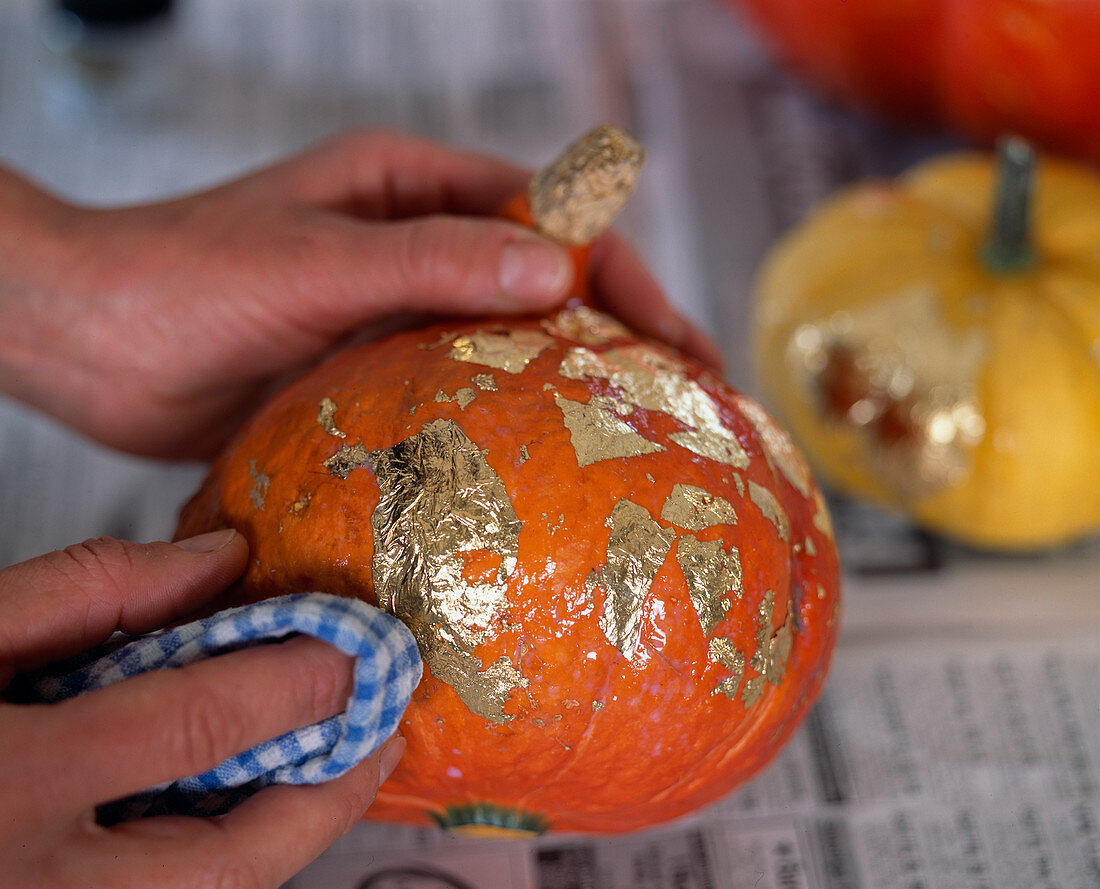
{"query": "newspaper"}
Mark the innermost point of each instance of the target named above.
(957, 744)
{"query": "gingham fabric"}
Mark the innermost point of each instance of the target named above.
(387, 669)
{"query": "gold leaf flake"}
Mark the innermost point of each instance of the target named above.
(585, 325)
(823, 521)
(772, 650)
(770, 506)
(346, 459)
(485, 382)
(635, 552)
(483, 691)
(778, 446)
(721, 651)
(713, 574)
(463, 397)
(902, 380)
(439, 501)
(325, 413)
(695, 508)
(753, 690)
(510, 350)
(651, 380)
(597, 433)
(260, 482)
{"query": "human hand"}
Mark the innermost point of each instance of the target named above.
(59, 761)
(156, 329)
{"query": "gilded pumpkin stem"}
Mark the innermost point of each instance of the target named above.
(574, 199)
(1010, 248)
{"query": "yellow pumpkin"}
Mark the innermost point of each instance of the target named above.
(933, 343)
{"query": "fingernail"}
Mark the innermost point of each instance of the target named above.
(390, 757)
(534, 270)
(208, 542)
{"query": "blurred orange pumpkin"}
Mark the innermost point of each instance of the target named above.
(619, 571)
(985, 67)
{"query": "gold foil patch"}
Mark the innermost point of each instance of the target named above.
(485, 382)
(823, 521)
(510, 350)
(483, 691)
(778, 446)
(722, 652)
(462, 397)
(440, 499)
(260, 483)
(598, 433)
(325, 416)
(694, 508)
(772, 651)
(650, 380)
(904, 381)
(770, 506)
(635, 552)
(713, 574)
(346, 459)
(585, 325)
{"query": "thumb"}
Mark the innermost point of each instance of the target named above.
(447, 265)
(69, 600)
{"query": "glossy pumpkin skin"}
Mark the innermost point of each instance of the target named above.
(573, 683)
(915, 374)
(985, 67)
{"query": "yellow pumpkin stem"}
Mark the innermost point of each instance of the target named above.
(1010, 248)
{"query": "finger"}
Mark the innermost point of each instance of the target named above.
(67, 601)
(259, 845)
(168, 724)
(385, 175)
(285, 828)
(440, 264)
(623, 285)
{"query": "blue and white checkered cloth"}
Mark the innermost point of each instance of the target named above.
(387, 670)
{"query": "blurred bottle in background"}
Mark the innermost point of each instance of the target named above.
(106, 55)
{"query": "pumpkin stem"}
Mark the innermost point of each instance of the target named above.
(574, 199)
(1010, 248)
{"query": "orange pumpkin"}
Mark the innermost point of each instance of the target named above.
(619, 571)
(985, 67)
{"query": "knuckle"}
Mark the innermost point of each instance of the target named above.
(325, 688)
(100, 563)
(242, 874)
(208, 729)
(442, 255)
(354, 804)
(98, 568)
